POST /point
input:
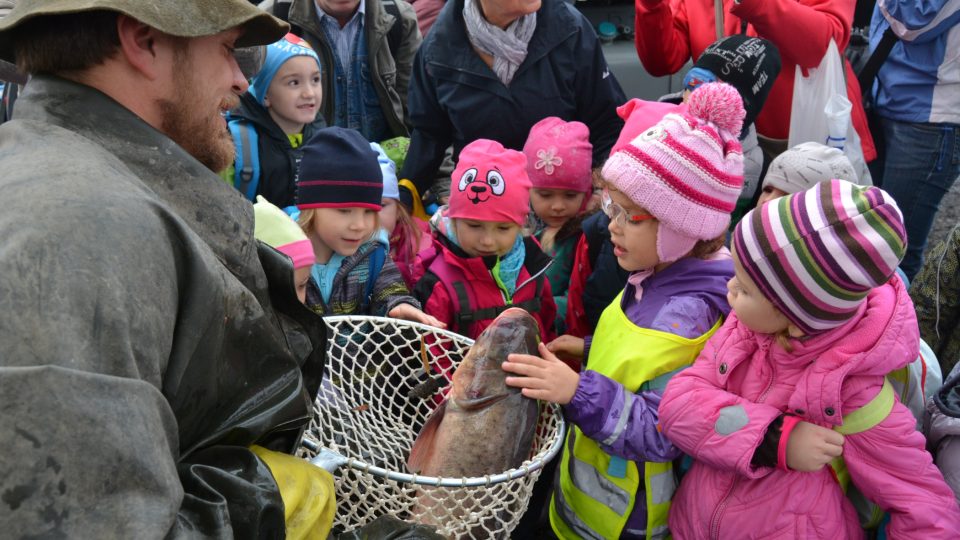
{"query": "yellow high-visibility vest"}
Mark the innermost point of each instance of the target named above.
(596, 492)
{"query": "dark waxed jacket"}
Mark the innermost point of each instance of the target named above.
(390, 71)
(278, 161)
(147, 339)
(455, 98)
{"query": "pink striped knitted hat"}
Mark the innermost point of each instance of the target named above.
(687, 170)
(817, 253)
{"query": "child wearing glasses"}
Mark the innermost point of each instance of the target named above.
(669, 194)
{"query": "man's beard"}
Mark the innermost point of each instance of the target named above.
(203, 136)
(207, 141)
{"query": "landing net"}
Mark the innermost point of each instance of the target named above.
(368, 412)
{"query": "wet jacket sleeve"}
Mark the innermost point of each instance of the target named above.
(818, 21)
(662, 35)
(920, 21)
(710, 424)
(598, 95)
(92, 444)
(889, 465)
(431, 129)
(390, 290)
(623, 423)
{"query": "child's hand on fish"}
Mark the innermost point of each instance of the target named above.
(410, 313)
(567, 346)
(543, 377)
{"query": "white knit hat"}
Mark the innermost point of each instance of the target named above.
(806, 165)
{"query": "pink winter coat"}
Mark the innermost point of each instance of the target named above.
(718, 411)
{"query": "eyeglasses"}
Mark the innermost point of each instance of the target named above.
(617, 214)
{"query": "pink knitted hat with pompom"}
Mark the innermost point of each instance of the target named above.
(687, 170)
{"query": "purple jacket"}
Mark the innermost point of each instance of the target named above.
(686, 299)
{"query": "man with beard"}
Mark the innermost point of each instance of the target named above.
(156, 365)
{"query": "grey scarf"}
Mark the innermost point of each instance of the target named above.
(507, 47)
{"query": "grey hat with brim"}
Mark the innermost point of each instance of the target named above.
(182, 18)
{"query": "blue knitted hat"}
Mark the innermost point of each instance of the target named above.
(277, 53)
(339, 169)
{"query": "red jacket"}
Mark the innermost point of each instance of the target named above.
(472, 274)
(670, 32)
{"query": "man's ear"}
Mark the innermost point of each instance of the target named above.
(139, 45)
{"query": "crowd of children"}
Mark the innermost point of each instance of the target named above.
(741, 392)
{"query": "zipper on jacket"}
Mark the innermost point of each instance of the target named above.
(533, 277)
(717, 514)
(773, 374)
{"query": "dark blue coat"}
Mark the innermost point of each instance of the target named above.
(455, 98)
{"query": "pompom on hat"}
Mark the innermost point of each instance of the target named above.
(275, 228)
(816, 254)
(559, 155)
(687, 170)
(490, 183)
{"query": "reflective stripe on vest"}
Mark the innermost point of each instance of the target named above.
(596, 492)
(858, 421)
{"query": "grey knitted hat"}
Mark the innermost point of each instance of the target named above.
(806, 165)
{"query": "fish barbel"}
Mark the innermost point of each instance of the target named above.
(483, 426)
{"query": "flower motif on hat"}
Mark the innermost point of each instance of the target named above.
(548, 159)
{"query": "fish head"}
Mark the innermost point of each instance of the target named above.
(479, 377)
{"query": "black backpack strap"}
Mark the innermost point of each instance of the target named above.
(395, 35)
(876, 60)
(466, 316)
(533, 305)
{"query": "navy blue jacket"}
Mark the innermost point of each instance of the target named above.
(455, 98)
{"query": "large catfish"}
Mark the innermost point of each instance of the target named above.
(484, 426)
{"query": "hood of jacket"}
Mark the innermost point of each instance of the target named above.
(881, 336)
(251, 111)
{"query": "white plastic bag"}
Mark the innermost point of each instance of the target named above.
(821, 111)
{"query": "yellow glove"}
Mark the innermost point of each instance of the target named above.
(309, 502)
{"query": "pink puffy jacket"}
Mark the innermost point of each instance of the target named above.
(718, 411)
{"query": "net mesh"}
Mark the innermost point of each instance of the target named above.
(374, 399)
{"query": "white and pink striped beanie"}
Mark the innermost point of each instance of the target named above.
(687, 170)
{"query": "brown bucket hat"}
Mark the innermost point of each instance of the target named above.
(183, 18)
